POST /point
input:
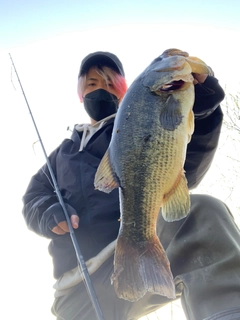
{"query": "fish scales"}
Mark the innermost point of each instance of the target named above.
(148, 181)
(145, 161)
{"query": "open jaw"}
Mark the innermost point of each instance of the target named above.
(172, 86)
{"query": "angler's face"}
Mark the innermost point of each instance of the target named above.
(94, 82)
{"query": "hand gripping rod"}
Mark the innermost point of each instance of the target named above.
(80, 258)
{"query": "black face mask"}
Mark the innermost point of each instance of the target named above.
(100, 104)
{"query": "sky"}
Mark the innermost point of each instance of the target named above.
(47, 41)
(26, 21)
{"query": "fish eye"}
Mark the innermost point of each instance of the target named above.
(174, 85)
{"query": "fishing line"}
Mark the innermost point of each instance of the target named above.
(12, 79)
(81, 262)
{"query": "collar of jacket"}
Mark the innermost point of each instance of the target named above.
(80, 128)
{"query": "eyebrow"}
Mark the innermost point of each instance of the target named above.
(91, 79)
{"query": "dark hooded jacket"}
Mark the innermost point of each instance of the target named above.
(99, 212)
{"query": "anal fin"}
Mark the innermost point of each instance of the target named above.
(176, 205)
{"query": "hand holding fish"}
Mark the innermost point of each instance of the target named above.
(199, 78)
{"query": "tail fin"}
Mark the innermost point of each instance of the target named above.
(140, 268)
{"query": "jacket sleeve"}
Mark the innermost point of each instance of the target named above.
(39, 196)
(208, 122)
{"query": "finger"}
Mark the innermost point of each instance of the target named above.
(61, 228)
(64, 226)
(200, 77)
(58, 230)
(75, 221)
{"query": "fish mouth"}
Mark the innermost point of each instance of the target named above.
(172, 86)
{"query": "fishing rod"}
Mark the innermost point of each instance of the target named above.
(79, 255)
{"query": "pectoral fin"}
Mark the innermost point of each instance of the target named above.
(176, 204)
(105, 180)
(171, 116)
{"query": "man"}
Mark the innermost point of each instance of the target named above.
(203, 248)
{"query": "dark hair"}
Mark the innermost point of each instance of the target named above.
(118, 81)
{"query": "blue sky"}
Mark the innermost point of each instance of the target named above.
(25, 21)
(48, 40)
(135, 30)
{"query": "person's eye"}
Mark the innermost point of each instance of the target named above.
(91, 84)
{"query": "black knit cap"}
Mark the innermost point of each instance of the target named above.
(101, 58)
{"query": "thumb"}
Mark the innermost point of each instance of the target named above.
(74, 221)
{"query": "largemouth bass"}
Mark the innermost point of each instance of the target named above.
(145, 161)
